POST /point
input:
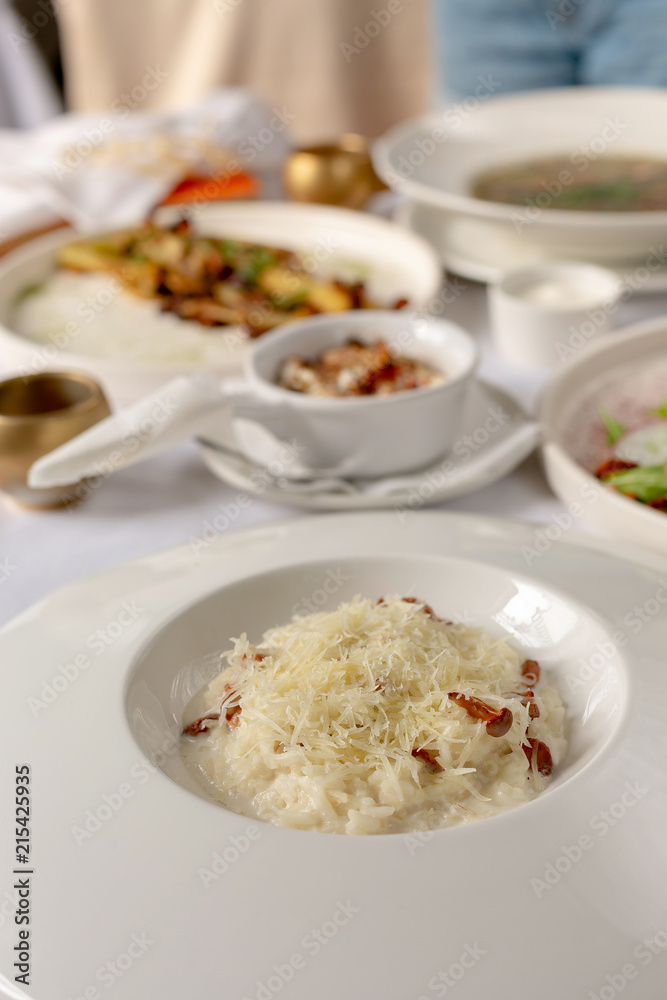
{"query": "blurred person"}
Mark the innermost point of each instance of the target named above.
(532, 44)
(28, 64)
(330, 66)
(38, 25)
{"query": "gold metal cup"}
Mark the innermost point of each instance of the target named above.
(37, 414)
(337, 174)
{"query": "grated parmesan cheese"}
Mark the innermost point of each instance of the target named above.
(333, 705)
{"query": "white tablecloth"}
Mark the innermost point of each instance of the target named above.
(169, 499)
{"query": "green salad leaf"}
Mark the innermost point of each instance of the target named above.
(646, 483)
(662, 409)
(27, 291)
(614, 429)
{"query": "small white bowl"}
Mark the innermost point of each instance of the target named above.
(365, 435)
(540, 316)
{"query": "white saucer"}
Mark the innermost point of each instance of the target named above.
(480, 457)
(475, 250)
(140, 886)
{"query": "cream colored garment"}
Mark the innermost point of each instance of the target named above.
(335, 65)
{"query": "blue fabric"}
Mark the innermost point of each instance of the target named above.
(530, 44)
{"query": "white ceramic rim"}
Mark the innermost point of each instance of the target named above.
(169, 581)
(552, 450)
(508, 284)
(460, 258)
(467, 205)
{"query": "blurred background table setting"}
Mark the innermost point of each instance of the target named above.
(393, 263)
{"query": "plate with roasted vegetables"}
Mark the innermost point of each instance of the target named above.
(605, 434)
(194, 286)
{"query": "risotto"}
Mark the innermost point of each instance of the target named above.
(379, 717)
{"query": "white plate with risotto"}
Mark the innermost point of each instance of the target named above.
(142, 879)
(136, 308)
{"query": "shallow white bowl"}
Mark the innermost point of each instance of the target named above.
(544, 624)
(123, 842)
(435, 159)
(394, 263)
(605, 508)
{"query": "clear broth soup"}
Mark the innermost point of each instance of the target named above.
(607, 184)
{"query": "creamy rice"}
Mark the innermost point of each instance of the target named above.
(92, 314)
(344, 722)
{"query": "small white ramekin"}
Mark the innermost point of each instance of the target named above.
(541, 315)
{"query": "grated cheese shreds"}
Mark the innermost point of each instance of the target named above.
(337, 702)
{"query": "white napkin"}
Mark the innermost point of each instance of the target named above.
(175, 413)
(110, 169)
(186, 407)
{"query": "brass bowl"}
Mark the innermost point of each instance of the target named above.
(37, 414)
(336, 174)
